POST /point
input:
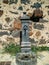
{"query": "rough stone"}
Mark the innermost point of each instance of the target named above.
(7, 19)
(42, 41)
(3, 33)
(38, 34)
(20, 8)
(38, 26)
(0, 26)
(25, 1)
(1, 13)
(33, 41)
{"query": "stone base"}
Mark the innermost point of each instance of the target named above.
(26, 59)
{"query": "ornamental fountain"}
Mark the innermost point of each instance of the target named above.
(26, 56)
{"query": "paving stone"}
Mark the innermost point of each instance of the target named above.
(5, 63)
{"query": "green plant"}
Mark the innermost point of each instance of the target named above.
(42, 48)
(12, 49)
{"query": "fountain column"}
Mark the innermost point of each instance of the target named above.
(25, 43)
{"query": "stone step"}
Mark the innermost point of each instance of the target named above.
(25, 42)
(25, 49)
(26, 45)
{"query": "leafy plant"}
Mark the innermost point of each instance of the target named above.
(12, 48)
(42, 48)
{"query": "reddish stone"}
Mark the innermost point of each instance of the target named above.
(1, 13)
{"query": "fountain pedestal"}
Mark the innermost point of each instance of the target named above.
(26, 56)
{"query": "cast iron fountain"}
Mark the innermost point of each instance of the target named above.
(26, 56)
